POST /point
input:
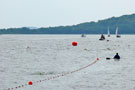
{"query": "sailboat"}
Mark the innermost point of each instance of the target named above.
(108, 33)
(117, 35)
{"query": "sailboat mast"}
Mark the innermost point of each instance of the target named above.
(116, 31)
(108, 32)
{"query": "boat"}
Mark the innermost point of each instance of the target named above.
(117, 35)
(83, 35)
(102, 37)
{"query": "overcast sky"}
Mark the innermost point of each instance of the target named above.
(45, 13)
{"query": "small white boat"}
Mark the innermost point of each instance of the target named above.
(117, 35)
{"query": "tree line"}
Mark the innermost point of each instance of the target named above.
(125, 23)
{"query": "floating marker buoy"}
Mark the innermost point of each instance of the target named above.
(74, 43)
(97, 58)
(30, 82)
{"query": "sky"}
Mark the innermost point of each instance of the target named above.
(50, 13)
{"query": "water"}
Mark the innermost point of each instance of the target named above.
(36, 57)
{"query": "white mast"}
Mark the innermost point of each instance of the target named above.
(116, 32)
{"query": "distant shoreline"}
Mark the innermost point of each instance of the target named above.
(63, 34)
(125, 25)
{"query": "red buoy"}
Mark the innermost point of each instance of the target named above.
(97, 58)
(30, 82)
(74, 43)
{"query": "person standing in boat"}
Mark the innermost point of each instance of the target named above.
(102, 37)
(116, 57)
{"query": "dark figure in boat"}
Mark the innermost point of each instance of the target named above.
(83, 35)
(102, 37)
(117, 57)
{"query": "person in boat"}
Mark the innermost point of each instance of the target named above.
(117, 57)
(83, 35)
(102, 37)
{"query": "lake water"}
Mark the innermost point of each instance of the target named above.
(25, 58)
